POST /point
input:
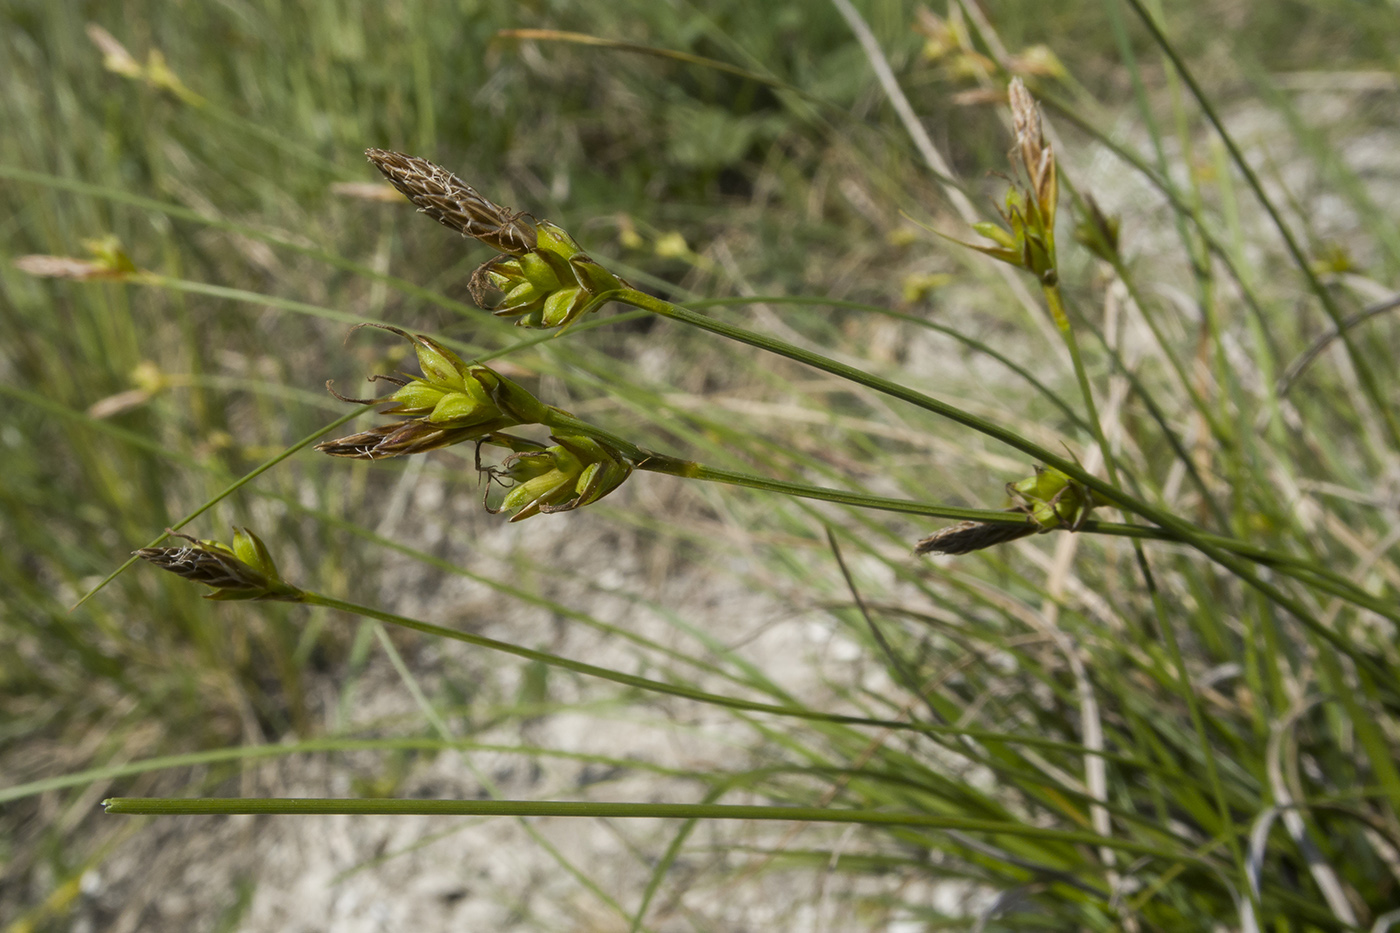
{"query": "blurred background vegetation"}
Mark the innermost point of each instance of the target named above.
(223, 155)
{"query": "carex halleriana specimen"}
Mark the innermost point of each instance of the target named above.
(1049, 499)
(544, 277)
(454, 402)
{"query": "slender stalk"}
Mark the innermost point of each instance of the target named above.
(657, 306)
(227, 491)
(654, 462)
(912, 320)
(1333, 583)
(226, 806)
(312, 747)
(1057, 313)
(579, 667)
(312, 598)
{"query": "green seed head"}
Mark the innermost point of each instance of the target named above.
(574, 472)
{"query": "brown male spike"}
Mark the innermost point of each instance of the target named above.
(966, 537)
(454, 203)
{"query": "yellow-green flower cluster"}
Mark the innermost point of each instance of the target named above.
(574, 472)
(1052, 499)
(1028, 239)
(453, 402)
(108, 262)
(548, 286)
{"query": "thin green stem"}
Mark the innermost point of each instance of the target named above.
(579, 667)
(654, 462)
(312, 598)
(227, 491)
(1057, 312)
(691, 470)
(913, 320)
(928, 403)
(311, 747)
(226, 806)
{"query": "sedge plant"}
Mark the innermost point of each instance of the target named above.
(543, 279)
(1195, 728)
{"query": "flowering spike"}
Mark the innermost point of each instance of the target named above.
(453, 203)
(1037, 157)
(1028, 238)
(1050, 499)
(156, 73)
(404, 438)
(576, 471)
(109, 261)
(547, 281)
(455, 402)
(244, 571)
(966, 537)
